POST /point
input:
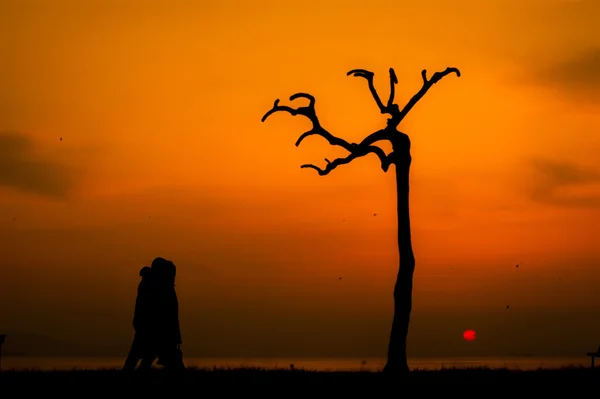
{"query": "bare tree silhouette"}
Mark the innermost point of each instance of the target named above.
(399, 156)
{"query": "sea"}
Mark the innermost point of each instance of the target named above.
(316, 364)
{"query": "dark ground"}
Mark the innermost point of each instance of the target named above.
(574, 382)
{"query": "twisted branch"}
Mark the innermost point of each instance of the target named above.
(308, 111)
(356, 150)
(360, 151)
(368, 75)
(426, 85)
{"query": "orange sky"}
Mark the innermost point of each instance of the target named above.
(163, 153)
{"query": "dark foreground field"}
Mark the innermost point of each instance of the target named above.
(285, 383)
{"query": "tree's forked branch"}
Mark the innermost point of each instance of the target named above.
(427, 83)
(308, 111)
(368, 75)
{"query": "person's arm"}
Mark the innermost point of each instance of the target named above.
(176, 319)
(136, 311)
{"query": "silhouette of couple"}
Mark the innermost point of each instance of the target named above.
(156, 319)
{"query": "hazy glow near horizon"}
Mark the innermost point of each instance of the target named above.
(158, 104)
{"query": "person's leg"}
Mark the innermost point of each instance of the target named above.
(163, 359)
(178, 363)
(131, 362)
(148, 353)
(171, 359)
(163, 354)
(146, 362)
(133, 357)
(178, 359)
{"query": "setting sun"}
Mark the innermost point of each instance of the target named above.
(469, 335)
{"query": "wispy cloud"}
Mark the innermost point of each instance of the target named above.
(577, 75)
(23, 170)
(563, 183)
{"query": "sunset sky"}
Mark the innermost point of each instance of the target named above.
(163, 153)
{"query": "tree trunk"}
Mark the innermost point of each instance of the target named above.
(397, 362)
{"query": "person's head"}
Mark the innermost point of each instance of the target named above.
(165, 269)
(145, 271)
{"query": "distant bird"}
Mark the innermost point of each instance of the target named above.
(339, 278)
(517, 266)
(61, 139)
(507, 306)
(374, 214)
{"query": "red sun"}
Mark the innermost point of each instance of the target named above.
(469, 335)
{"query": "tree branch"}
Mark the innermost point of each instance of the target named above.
(363, 73)
(310, 113)
(355, 150)
(426, 85)
(360, 151)
(375, 137)
(393, 83)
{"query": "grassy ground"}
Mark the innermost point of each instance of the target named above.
(217, 382)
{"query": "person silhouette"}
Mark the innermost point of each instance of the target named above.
(168, 333)
(143, 347)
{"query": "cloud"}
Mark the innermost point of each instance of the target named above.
(565, 184)
(578, 75)
(23, 170)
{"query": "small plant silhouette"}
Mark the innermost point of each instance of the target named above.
(399, 156)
